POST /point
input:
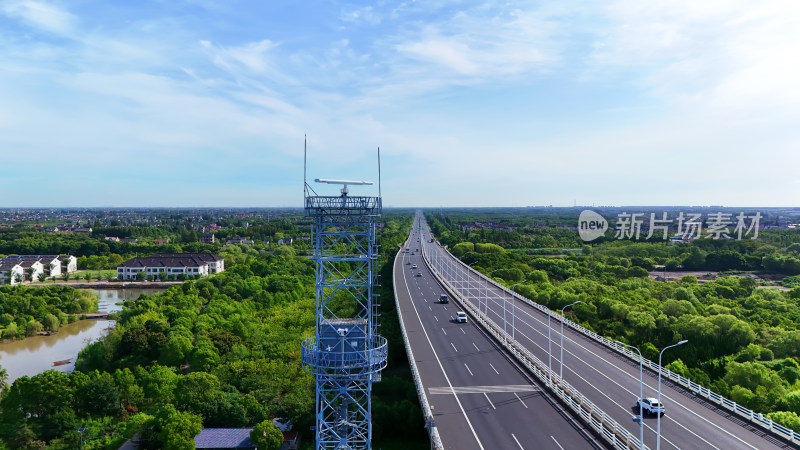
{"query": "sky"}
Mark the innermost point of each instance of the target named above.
(208, 103)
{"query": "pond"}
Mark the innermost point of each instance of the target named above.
(36, 354)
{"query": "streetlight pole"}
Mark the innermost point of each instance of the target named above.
(469, 284)
(561, 358)
(486, 288)
(641, 416)
(514, 311)
(658, 426)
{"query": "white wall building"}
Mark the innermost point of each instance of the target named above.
(171, 264)
(34, 265)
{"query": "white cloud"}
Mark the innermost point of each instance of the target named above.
(363, 14)
(41, 15)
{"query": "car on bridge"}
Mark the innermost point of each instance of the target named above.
(651, 405)
(414, 266)
(444, 298)
(461, 317)
(419, 274)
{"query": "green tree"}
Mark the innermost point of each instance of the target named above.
(100, 395)
(266, 436)
(51, 322)
(787, 419)
(178, 429)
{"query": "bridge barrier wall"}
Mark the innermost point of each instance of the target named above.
(608, 428)
(430, 424)
(717, 399)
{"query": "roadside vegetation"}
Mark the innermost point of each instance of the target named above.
(744, 341)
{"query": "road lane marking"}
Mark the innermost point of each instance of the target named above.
(462, 330)
(445, 332)
(476, 347)
(490, 401)
(495, 370)
(554, 440)
(520, 400)
(454, 347)
(470, 372)
(437, 319)
(515, 440)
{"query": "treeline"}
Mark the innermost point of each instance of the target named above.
(773, 252)
(25, 311)
(744, 341)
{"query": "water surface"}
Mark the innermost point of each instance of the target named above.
(36, 354)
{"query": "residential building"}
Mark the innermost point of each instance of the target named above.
(33, 265)
(207, 238)
(240, 240)
(10, 273)
(171, 264)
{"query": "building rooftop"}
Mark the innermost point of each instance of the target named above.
(224, 438)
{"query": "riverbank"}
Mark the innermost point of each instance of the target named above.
(59, 351)
(109, 284)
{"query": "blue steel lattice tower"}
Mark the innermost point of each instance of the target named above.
(346, 354)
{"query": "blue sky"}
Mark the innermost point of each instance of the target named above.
(201, 103)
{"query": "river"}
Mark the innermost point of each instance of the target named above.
(36, 354)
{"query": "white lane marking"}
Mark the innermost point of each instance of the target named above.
(454, 347)
(462, 330)
(554, 440)
(437, 319)
(429, 307)
(445, 332)
(436, 355)
(520, 400)
(476, 347)
(495, 370)
(515, 440)
(490, 401)
(470, 372)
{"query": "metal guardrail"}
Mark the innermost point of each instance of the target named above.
(320, 361)
(430, 424)
(614, 433)
(341, 205)
(717, 399)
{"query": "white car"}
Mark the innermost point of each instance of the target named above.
(650, 405)
(461, 317)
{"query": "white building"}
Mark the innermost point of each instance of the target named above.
(171, 264)
(34, 265)
(10, 272)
